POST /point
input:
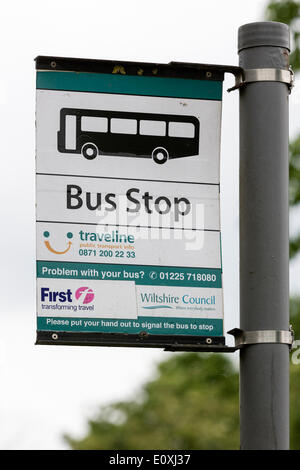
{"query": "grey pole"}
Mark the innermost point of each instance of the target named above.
(264, 238)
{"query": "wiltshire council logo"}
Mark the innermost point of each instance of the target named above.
(85, 294)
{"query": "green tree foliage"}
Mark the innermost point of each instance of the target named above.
(288, 11)
(295, 379)
(295, 187)
(191, 404)
(193, 401)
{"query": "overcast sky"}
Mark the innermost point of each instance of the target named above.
(46, 391)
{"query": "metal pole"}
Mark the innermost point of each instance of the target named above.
(264, 238)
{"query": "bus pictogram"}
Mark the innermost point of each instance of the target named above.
(161, 137)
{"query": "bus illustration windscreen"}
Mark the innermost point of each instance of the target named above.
(158, 136)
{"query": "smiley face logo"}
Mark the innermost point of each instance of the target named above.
(49, 247)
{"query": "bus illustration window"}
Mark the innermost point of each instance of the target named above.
(94, 124)
(161, 137)
(70, 132)
(123, 126)
(181, 129)
(153, 128)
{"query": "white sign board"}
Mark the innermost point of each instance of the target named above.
(128, 210)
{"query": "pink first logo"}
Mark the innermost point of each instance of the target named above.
(86, 294)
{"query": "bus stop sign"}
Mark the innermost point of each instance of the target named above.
(128, 210)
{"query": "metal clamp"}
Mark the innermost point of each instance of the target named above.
(244, 338)
(264, 75)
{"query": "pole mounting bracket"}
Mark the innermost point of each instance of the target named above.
(264, 75)
(244, 338)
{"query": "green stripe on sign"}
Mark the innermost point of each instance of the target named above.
(130, 85)
(153, 325)
(141, 275)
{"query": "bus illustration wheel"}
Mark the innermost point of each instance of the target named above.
(89, 151)
(160, 155)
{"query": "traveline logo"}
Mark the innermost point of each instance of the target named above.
(55, 296)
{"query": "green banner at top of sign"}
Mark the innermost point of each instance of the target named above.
(131, 85)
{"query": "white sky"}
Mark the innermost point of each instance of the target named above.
(46, 391)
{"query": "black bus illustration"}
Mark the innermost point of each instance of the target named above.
(157, 136)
